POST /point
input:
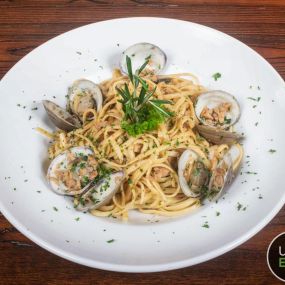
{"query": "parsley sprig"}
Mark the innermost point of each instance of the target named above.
(142, 113)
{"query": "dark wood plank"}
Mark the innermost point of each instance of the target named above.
(26, 24)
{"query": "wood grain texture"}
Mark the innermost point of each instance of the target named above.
(26, 24)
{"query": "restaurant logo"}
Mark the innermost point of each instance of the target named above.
(276, 257)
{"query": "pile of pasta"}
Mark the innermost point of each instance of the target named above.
(150, 159)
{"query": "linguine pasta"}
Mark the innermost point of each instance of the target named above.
(149, 160)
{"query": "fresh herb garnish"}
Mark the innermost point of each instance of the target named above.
(103, 172)
(55, 208)
(85, 157)
(82, 165)
(239, 206)
(206, 225)
(104, 186)
(110, 241)
(206, 193)
(272, 150)
(251, 172)
(142, 113)
(227, 120)
(217, 75)
(74, 166)
(84, 181)
(82, 201)
(254, 99)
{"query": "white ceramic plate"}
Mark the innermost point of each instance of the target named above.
(144, 244)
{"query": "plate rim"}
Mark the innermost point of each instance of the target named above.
(150, 267)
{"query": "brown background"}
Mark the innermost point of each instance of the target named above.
(26, 24)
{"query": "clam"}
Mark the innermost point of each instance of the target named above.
(217, 111)
(71, 171)
(139, 53)
(101, 193)
(60, 117)
(224, 173)
(221, 178)
(83, 95)
(217, 135)
(195, 179)
(192, 173)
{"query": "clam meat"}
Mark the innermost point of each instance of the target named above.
(71, 172)
(217, 111)
(224, 173)
(196, 180)
(192, 173)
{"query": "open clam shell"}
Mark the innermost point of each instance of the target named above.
(213, 99)
(221, 178)
(101, 193)
(83, 95)
(192, 173)
(139, 53)
(60, 117)
(217, 111)
(60, 163)
(224, 173)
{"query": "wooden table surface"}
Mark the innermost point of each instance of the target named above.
(26, 24)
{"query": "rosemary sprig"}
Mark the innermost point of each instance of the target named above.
(138, 106)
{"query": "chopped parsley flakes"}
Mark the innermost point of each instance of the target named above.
(272, 151)
(251, 172)
(240, 207)
(206, 225)
(110, 241)
(254, 99)
(84, 181)
(217, 75)
(227, 121)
